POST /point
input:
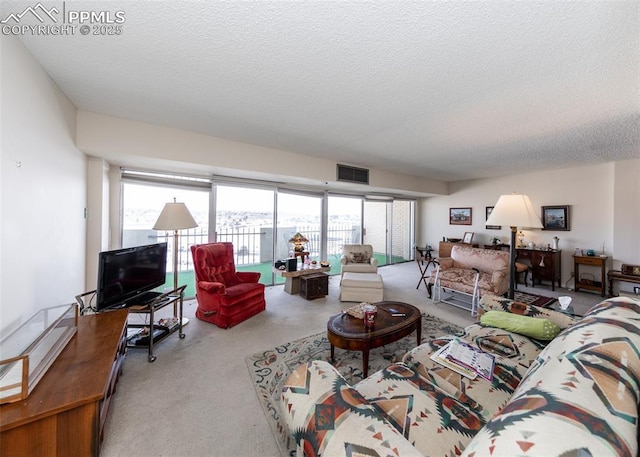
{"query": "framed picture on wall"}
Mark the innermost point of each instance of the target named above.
(460, 216)
(488, 213)
(555, 217)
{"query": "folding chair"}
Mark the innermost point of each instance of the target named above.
(423, 262)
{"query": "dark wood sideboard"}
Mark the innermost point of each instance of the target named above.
(66, 412)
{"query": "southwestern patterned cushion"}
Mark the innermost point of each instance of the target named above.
(328, 417)
(428, 417)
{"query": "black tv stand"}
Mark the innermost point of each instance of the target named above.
(158, 331)
(156, 301)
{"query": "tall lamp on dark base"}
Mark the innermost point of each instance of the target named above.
(514, 211)
(175, 216)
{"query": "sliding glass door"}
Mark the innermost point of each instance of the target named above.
(402, 233)
(389, 226)
(376, 229)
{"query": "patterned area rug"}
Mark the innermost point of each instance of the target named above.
(532, 299)
(270, 368)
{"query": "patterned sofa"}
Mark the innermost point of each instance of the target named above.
(472, 271)
(578, 395)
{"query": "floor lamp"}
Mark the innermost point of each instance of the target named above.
(514, 211)
(175, 216)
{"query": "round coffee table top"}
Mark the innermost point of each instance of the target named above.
(345, 326)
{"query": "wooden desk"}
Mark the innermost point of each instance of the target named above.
(544, 264)
(66, 412)
(599, 262)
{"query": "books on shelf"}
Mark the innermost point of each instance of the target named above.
(465, 359)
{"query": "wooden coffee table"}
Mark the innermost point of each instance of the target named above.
(347, 332)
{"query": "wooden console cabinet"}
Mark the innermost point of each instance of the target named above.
(66, 412)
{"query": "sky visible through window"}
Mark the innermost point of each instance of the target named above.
(143, 204)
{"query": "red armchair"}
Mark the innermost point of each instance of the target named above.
(225, 296)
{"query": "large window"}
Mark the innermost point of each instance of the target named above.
(344, 226)
(259, 219)
(244, 217)
(299, 213)
(141, 206)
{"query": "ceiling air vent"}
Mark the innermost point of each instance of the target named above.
(353, 174)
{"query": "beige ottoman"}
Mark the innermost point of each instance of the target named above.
(361, 287)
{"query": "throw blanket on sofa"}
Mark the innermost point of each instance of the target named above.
(576, 396)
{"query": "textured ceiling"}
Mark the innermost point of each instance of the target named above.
(447, 90)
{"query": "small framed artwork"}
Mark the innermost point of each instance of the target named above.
(468, 238)
(488, 213)
(555, 217)
(460, 216)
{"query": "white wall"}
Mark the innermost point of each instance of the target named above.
(626, 217)
(98, 200)
(590, 192)
(42, 245)
(154, 145)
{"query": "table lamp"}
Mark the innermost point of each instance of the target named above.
(175, 216)
(515, 211)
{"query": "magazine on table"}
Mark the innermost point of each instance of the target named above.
(466, 359)
(472, 357)
(440, 356)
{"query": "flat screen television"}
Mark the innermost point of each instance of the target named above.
(126, 276)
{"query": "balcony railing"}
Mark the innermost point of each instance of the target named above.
(252, 245)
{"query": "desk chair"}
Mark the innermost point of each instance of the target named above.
(522, 268)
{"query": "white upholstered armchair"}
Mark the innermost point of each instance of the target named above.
(358, 258)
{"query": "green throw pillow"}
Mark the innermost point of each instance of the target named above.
(540, 329)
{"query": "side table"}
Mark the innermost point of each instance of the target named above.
(598, 262)
(292, 278)
(314, 286)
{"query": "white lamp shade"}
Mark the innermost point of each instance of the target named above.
(175, 216)
(514, 211)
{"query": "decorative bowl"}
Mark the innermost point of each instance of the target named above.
(454, 240)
